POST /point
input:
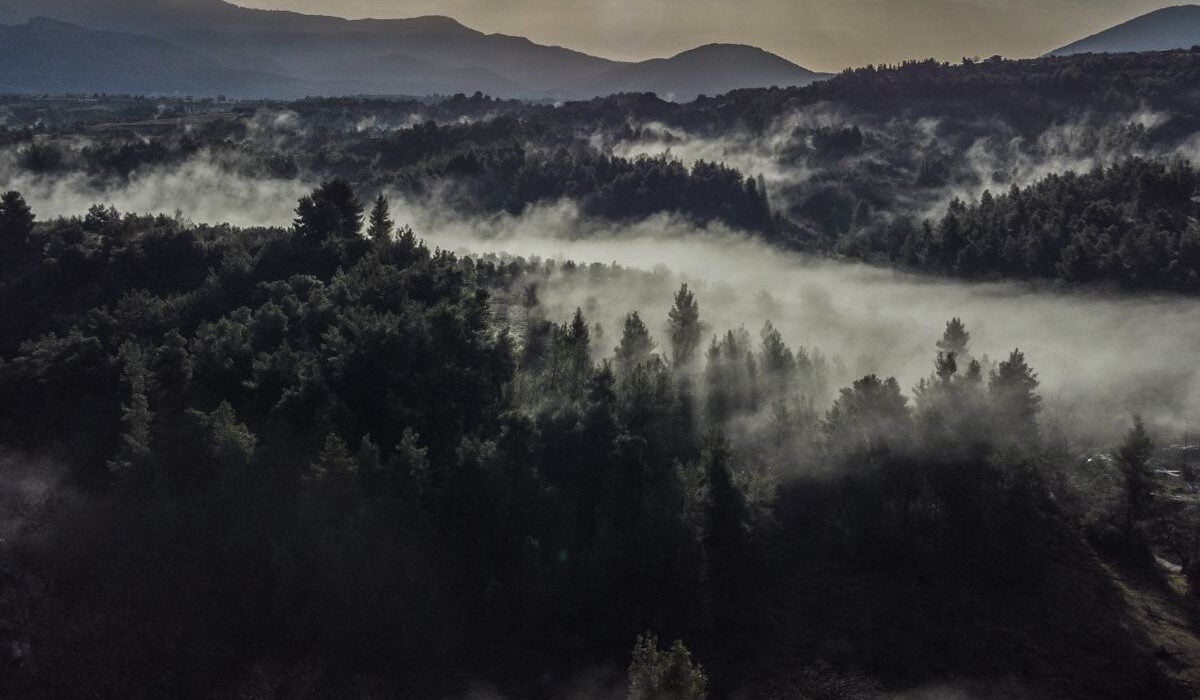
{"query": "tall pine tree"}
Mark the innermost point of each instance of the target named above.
(380, 227)
(684, 328)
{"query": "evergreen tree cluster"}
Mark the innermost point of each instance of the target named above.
(856, 162)
(310, 460)
(1134, 225)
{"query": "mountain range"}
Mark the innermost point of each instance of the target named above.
(207, 47)
(1162, 30)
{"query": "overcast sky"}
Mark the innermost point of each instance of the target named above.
(819, 34)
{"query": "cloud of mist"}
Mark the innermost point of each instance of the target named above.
(203, 189)
(1004, 158)
(771, 154)
(1100, 358)
(896, 146)
(275, 129)
(26, 485)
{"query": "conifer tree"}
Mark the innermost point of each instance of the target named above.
(231, 443)
(381, 224)
(16, 224)
(575, 348)
(684, 328)
(331, 211)
(636, 346)
(726, 538)
(778, 361)
(136, 415)
(956, 339)
(655, 674)
(1013, 387)
(1134, 458)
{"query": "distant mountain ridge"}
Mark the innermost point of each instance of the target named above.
(32, 59)
(289, 54)
(1162, 30)
(712, 69)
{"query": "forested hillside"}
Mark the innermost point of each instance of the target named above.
(496, 370)
(1051, 168)
(327, 460)
(1134, 224)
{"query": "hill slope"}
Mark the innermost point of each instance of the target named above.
(335, 56)
(49, 56)
(1170, 28)
(713, 69)
(300, 45)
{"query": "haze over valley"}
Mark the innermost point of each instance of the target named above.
(401, 358)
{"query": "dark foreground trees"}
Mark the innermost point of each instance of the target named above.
(296, 462)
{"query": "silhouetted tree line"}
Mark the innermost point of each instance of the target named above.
(1029, 94)
(907, 142)
(1134, 224)
(496, 166)
(308, 461)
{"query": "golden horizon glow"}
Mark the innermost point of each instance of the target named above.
(819, 34)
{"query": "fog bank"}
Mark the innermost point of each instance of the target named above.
(202, 189)
(1101, 358)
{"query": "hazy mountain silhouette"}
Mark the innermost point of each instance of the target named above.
(1169, 28)
(45, 55)
(712, 69)
(402, 74)
(303, 46)
(314, 54)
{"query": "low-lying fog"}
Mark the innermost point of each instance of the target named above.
(201, 189)
(1100, 357)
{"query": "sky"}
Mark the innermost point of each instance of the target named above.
(819, 34)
